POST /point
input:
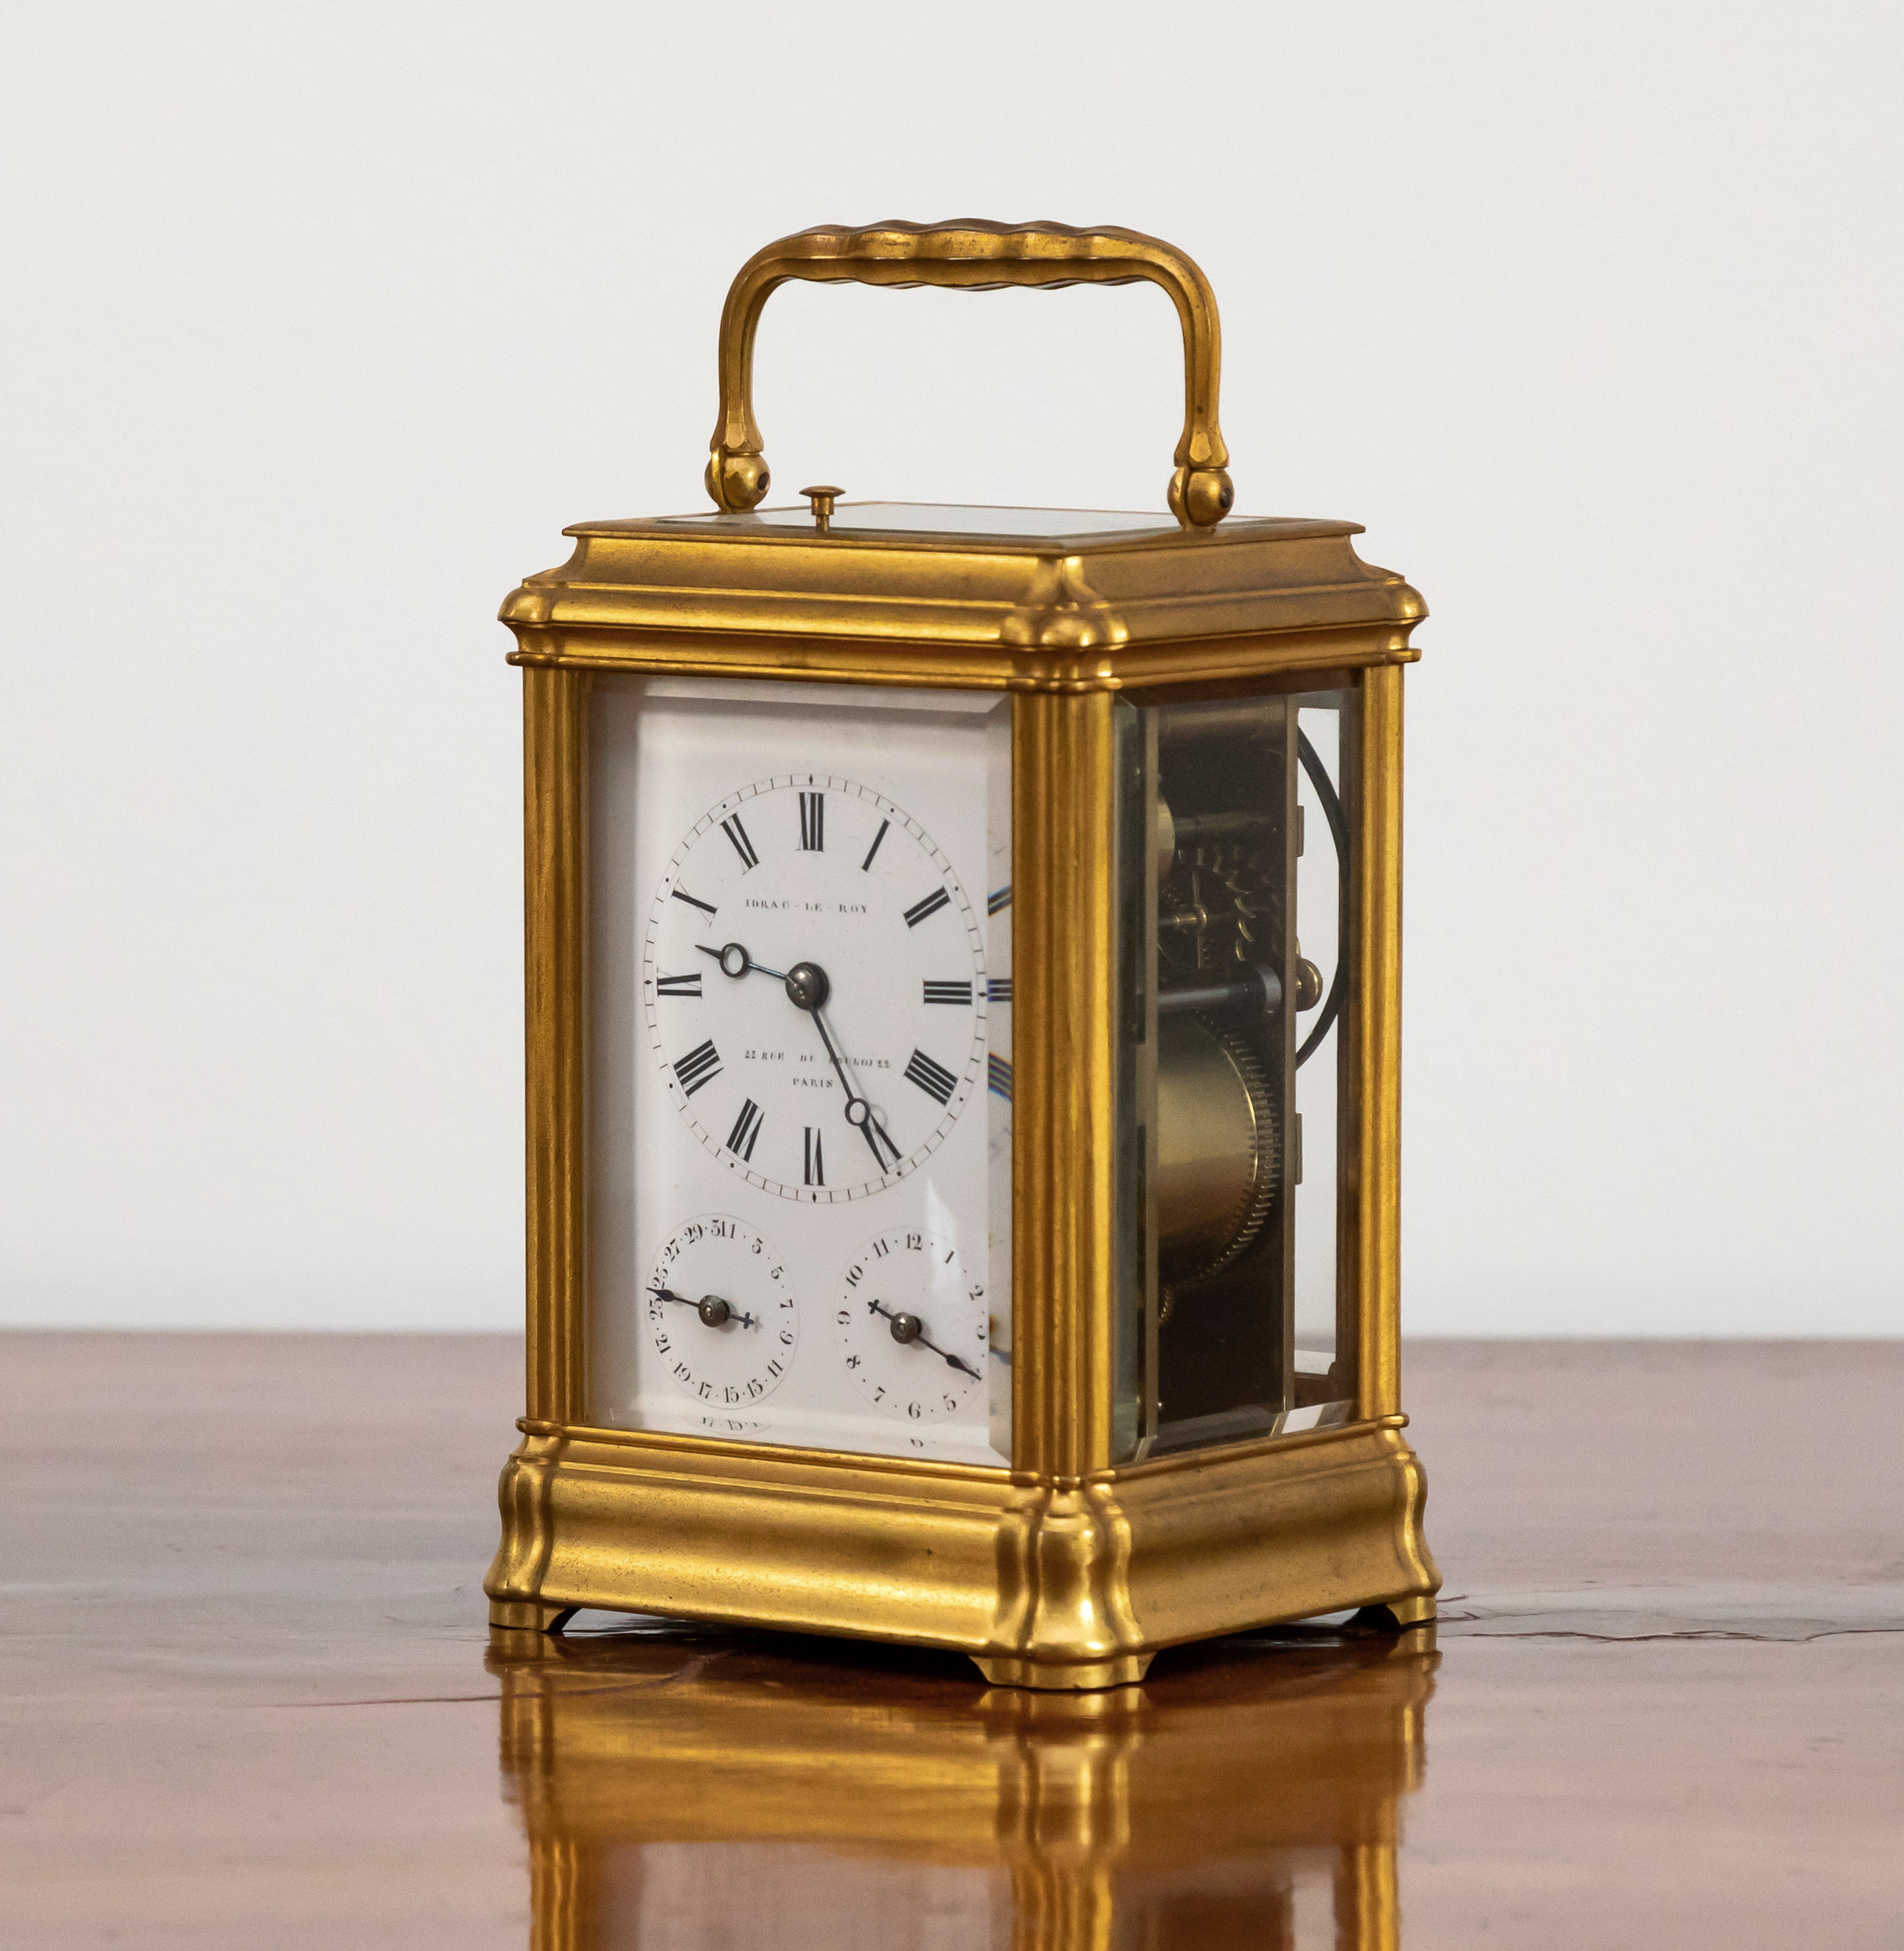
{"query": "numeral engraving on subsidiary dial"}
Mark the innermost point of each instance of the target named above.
(912, 1329)
(721, 1319)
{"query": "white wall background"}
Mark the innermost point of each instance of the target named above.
(324, 320)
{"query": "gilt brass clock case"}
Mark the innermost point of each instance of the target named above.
(1169, 1460)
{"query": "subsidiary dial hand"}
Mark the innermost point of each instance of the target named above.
(909, 1329)
(711, 1309)
(735, 960)
(808, 988)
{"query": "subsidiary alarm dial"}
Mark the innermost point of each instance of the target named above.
(912, 1327)
(721, 1313)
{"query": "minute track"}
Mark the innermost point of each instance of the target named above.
(879, 907)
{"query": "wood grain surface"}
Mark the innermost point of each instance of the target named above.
(249, 1698)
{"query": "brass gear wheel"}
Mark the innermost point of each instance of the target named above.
(1219, 1149)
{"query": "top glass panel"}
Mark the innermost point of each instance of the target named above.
(934, 518)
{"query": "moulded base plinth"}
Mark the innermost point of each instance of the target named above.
(1057, 1586)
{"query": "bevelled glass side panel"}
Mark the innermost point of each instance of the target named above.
(1233, 847)
(799, 1087)
(1325, 1343)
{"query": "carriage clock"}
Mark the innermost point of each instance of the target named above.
(963, 960)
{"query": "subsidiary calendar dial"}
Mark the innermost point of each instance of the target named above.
(814, 985)
(912, 1327)
(721, 1313)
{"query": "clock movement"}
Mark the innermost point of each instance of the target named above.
(963, 1002)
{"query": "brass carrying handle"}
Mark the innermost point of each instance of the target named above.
(975, 256)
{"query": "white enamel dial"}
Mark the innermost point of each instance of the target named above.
(912, 1327)
(857, 838)
(839, 1082)
(721, 1314)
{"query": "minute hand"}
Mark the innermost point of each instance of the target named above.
(808, 988)
(924, 1340)
(871, 1129)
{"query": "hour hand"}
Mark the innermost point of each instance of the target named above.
(713, 1309)
(735, 960)
(908, 1328)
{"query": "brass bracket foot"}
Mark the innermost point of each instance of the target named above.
(530, 1615)
(1398, 1615)
(1052, 1677)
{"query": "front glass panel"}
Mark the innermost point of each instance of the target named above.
(800, 1083)
(1234, 859)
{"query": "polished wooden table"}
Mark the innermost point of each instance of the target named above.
(251, 1700)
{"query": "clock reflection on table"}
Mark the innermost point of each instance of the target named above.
(683, 1788)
